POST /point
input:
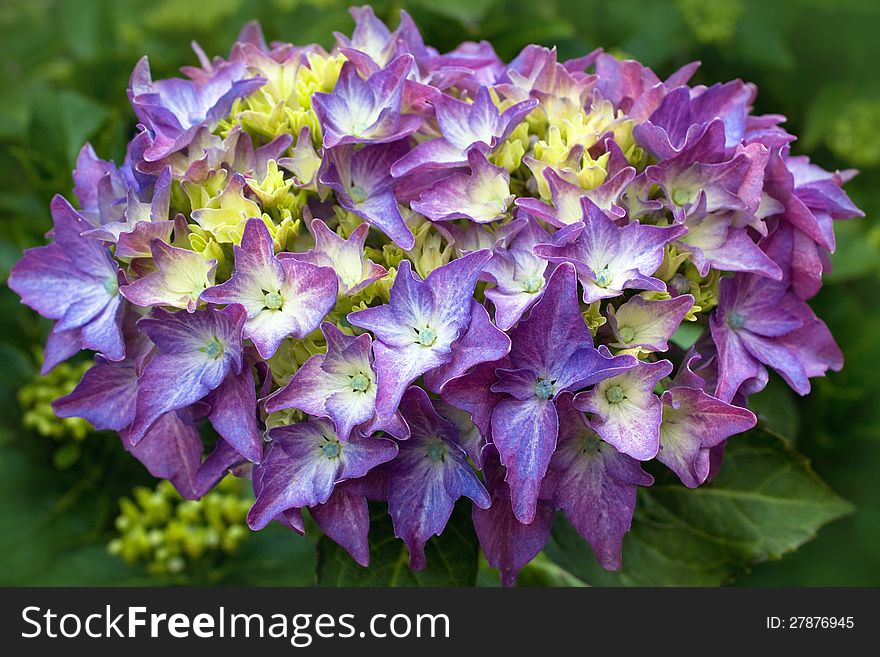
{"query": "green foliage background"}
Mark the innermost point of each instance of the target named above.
(64, 65)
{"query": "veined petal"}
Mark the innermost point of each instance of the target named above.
(305, 462)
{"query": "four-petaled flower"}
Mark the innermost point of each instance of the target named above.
(282, 296)
(425, 326)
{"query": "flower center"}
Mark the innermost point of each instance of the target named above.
(214, 349)
(627, 333)
(544, 389)
(589, 443)
(736, 320)
(533, 284)
(615, 394)
(357, 194)
(360, 382)
(427, 337)
(436, 451)
(331, 449)
(681, 197)
(603, 277)
(111, 285)
(272, 300)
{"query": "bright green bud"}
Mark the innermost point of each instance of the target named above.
(35, 400)
(170, 534)
(273, 188)
(672, 261)
(510, 154)
(431, 249)
(347, 221)
(593, 317)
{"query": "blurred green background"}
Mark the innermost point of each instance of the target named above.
(64, 67)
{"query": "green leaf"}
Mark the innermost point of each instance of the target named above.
(52, 522)
(687, 334)
(761, 41)
(274, 556)
(452, 556)
(765, 502)
(63, 121)
(777, 410)
(466, 12)
(855, 256)
(543, 571)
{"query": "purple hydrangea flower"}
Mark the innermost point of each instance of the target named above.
(371, 37)
(693, 423)
(344, 256)
(463, 125)
(420, 328)
(625, 411)
(339, 385)
(610, 258)
(194, 354)
(594, 484)
(647, 323)
(304, 464)
(363, 184)
(180, 278)
(366, 111)
(517, 273)
(567, 197)
(427, 477)
(199, 273)
(174, 109)
(482, 195)
(172, 449)
(282, 296)
(684, 115)
(760, 322)
(74, 281)
(551, 352)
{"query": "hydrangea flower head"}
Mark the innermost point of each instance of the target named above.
(385, 273)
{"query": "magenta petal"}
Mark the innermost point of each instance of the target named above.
(428, 476)
(594, 484)
(472, 393)
(234, 414)
(525, 434)
(136, 244)
(172, 449)
(195, 353)
(304, 463)
(507, 543)
(105, 396)
(222, 459)
(693, 423)
(345, 518)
